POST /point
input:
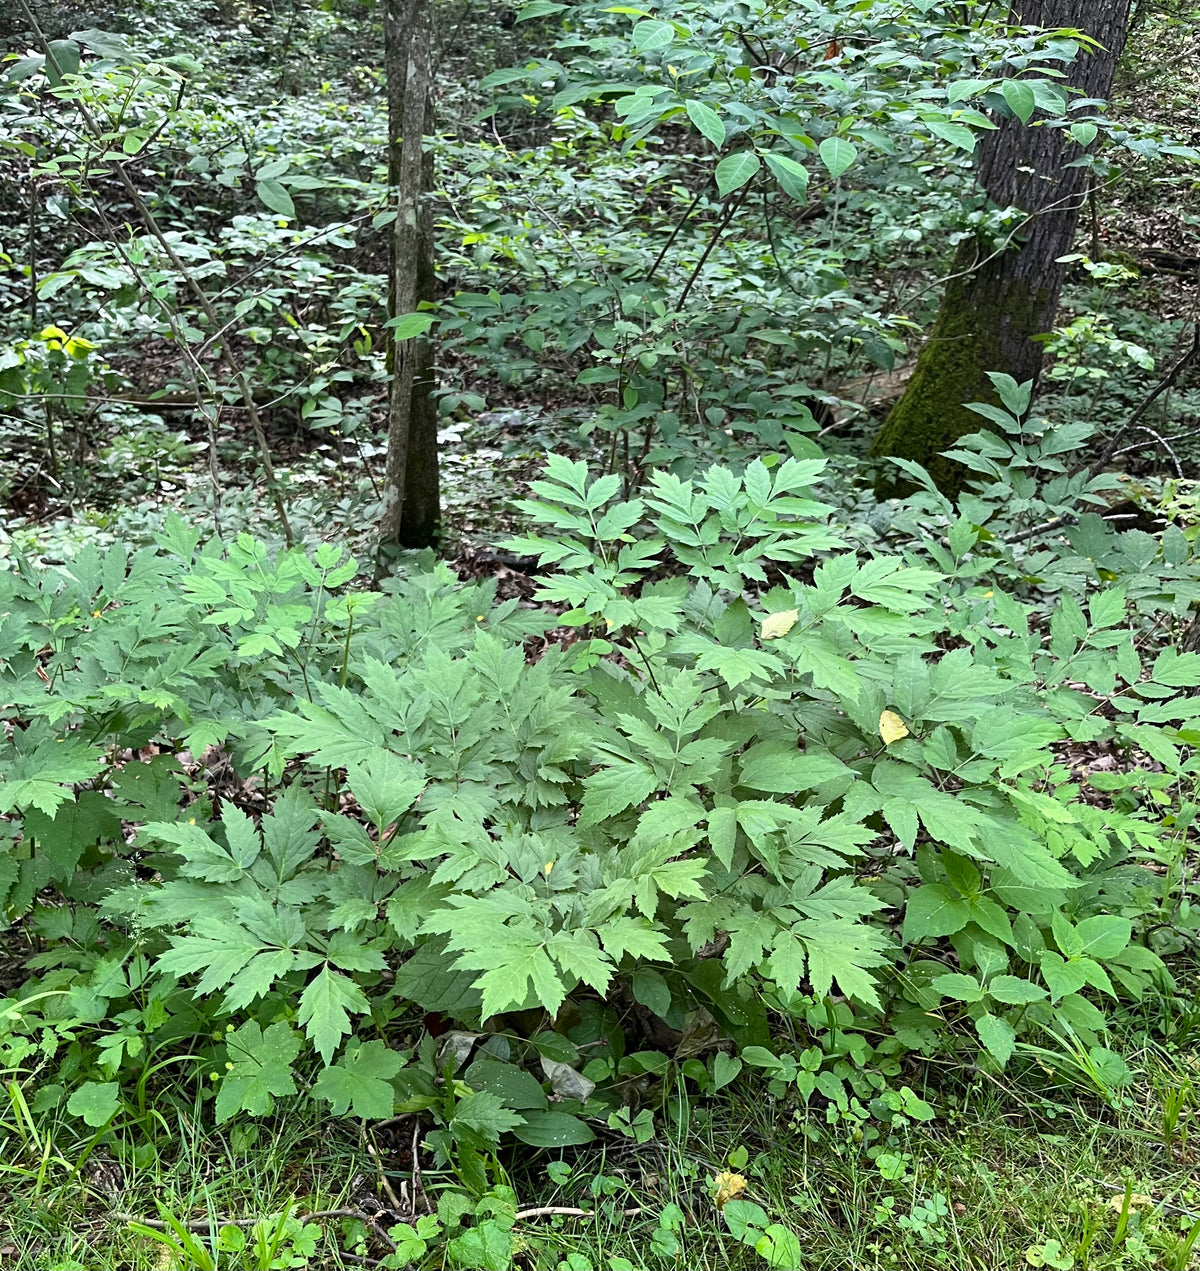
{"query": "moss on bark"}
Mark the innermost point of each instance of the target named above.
(974, 333)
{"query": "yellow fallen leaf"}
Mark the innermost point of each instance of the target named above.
(779, 624)
(1136, 1201)
(729, 1187)
(891, 727)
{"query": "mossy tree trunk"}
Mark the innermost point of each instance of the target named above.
(995, 305)
(411, 496)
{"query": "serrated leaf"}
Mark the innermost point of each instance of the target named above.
(482, 1115)
(261, 1069)
(781, 769)
(933, 910)
(328, 1001)
(1014, 991)
(359, 1082)
(430, 979)
(962, 988)
(96, 1102)
(998, 1037)
(777, 625)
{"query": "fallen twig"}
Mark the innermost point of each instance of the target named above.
(566, 1211)
(1155, 393)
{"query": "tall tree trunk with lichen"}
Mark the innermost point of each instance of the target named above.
(411, 503)
(996, 304)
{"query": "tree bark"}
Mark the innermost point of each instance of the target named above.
(994, 308)
(411, 496)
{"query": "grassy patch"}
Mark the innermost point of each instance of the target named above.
(1030, 1175)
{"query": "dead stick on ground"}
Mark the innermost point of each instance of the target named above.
(565, 1211)
(383, 1178)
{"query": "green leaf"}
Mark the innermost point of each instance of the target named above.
(963, 988)
(998, 1037)
(539, 9)
(651, 34)
(725, 1069)
(1020, 98)
(430, 979)
(735, 170)
(1103, 936)
(1083, 133)
(358, 1082)
(933, 910)
(792, 176)
(63, 60)
(1014, 991)
(782, 769)
(1002, 733)
(707, 121)
(1177, 670)
(274, 196)
(328, 1001)
(837, 154)
(104, 43)
(386, 786)
(652, 991)
(260, 1069)
(484, 1117)
(780, 1247)
(96, 1102)
(513, 1086)
(958, 135)
(407, 326)
(553, 1129)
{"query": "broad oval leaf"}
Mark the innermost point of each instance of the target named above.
(956, 134)
(837, 154)
(735, 170)
(539, 9)
(274, 196)
(409, 325)
(891, 727)
(775, 625)
(1020, 98)
(1083, 133)
(553, 1129)
(652, 34)
(792, 176)
(707, 121)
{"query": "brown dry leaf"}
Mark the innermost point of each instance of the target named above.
(729, 1187)
(775, 625)
(891, 727)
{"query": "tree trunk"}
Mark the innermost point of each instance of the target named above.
(411, 503)
(993, 308)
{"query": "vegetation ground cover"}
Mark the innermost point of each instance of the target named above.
(728, 847)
